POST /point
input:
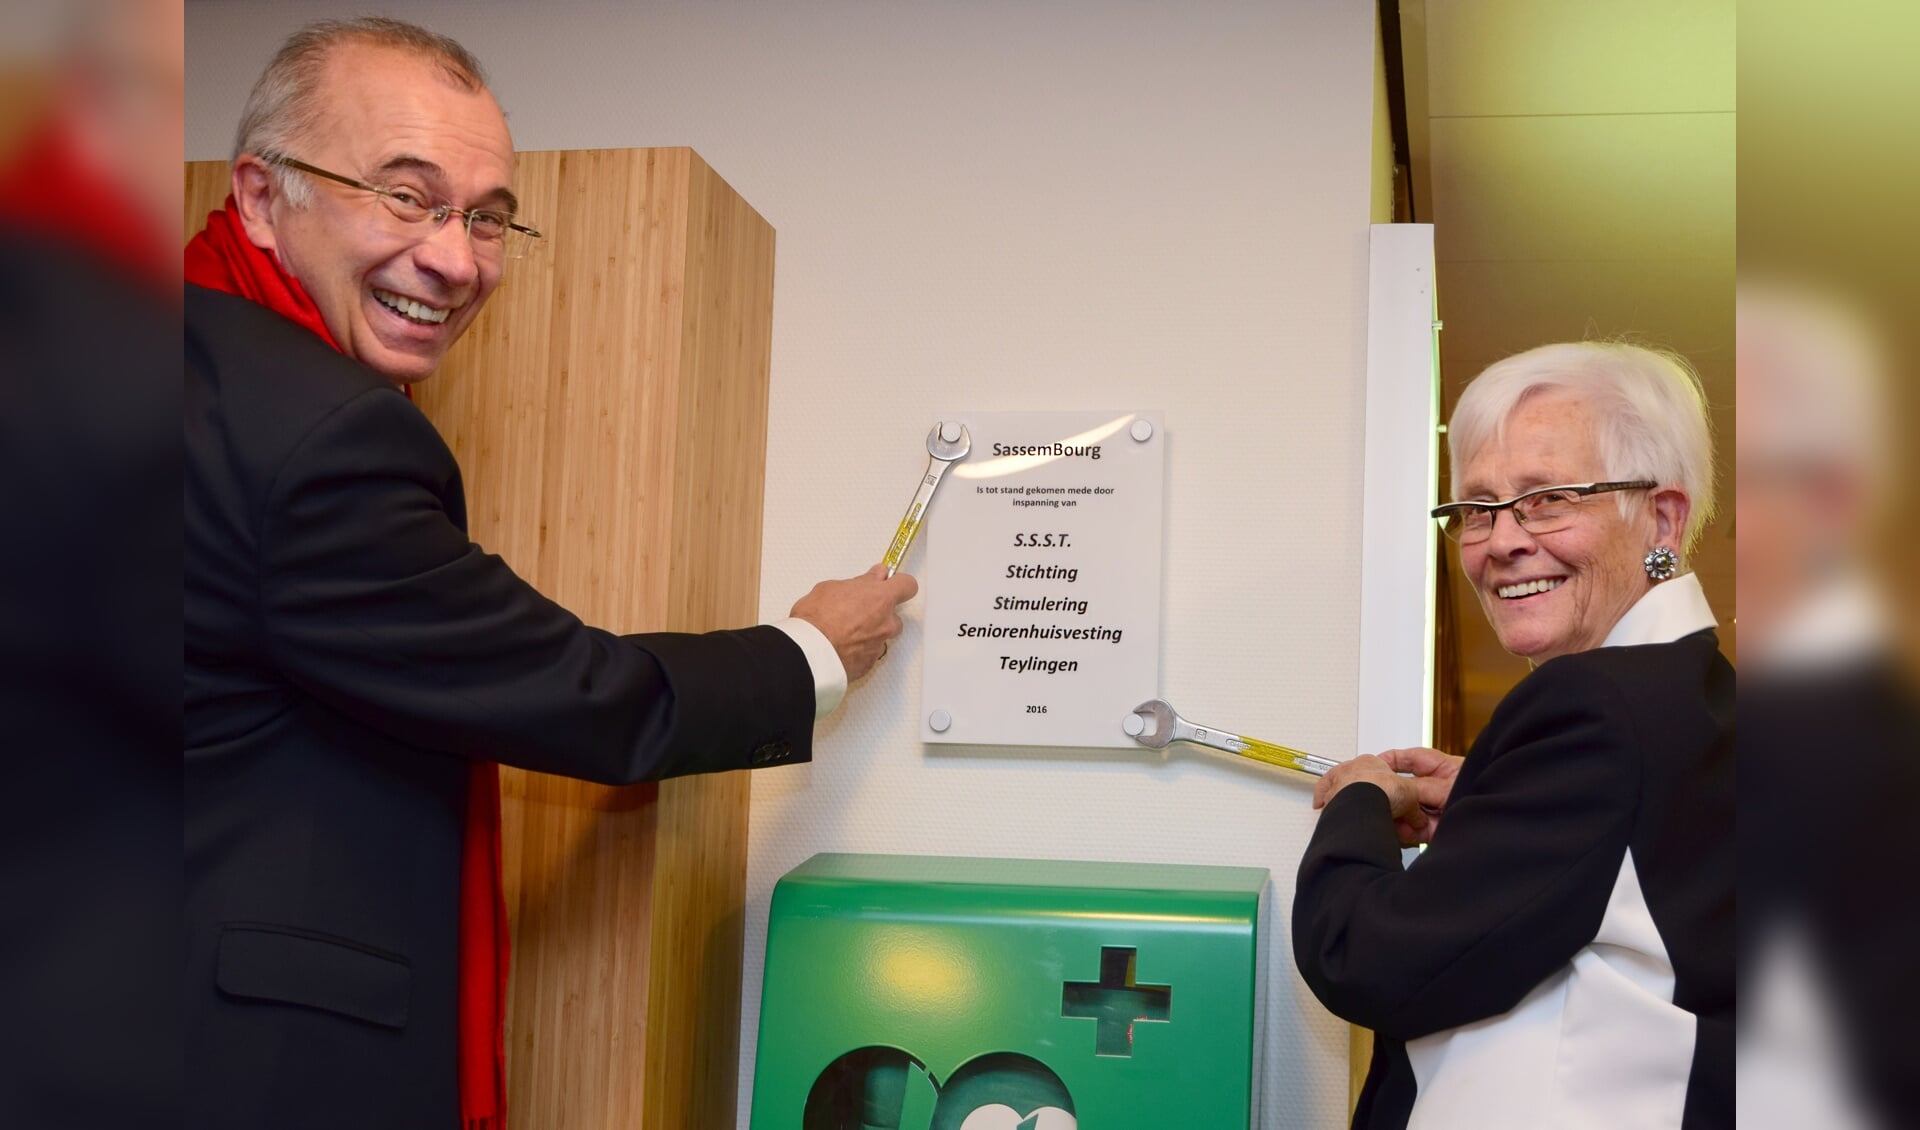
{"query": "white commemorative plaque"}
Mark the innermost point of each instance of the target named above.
(1042, 575)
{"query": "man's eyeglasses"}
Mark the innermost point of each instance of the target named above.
(490, 231)
(1539, 511)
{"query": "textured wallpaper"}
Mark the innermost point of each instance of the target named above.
(1015, 206)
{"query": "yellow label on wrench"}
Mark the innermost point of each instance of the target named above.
(902, 538)
(1274, 754)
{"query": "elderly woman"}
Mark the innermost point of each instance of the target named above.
(1562, 954)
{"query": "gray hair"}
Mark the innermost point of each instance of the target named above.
(286, 103)
(1650, 406)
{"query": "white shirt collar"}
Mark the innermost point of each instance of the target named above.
(1843, 620)
(1667, 612)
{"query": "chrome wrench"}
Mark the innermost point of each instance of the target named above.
(1155, 725)
(947, 444)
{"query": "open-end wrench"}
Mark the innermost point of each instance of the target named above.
(947, 444)
(1155, 725)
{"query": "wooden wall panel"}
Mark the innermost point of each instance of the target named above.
(608, 410)
(726, 349)
(206, 187)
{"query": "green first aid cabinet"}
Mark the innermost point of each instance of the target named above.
(938, 993)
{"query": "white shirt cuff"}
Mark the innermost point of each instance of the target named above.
(829, 677)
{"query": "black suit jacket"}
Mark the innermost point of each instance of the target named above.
(1830, 764)
(89, 677)
(347, 651)
(1590, 756)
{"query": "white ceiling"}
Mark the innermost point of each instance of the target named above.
(1577, 162)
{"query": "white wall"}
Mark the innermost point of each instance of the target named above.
(1000, 205)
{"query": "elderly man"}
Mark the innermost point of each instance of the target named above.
(350, 653)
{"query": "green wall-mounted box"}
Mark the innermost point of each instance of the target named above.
(935, 993)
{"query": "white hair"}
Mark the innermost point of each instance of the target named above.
(287, 100)
(1650, 408)
(1812, 382)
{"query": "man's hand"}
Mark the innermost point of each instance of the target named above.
(858, 615)
(1409, 819)
(1433, 774)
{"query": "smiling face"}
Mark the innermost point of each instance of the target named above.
(1561, 592)
(392, 296)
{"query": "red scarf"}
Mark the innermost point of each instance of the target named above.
(50, 186)
(223, 258)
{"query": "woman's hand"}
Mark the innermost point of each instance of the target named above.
(1409, 819)
(1433, 774)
